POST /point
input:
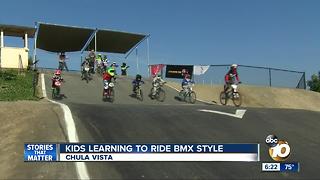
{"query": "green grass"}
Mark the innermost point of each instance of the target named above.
(15, 87)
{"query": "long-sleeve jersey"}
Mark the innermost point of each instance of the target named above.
(56, 78)
(157, 81)
(186, 81)
(231, 74)
(136, 82)
(107, 77)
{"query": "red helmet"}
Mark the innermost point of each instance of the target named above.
(57, 72)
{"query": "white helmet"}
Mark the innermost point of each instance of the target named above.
(234, 65)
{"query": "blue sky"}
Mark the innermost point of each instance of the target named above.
(273, 33)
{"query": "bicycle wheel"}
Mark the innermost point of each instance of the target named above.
(140, 95)
(237, 99)
(192, 97)
(53, 94)
(86, 76)
(151, 92)
(111, 95)
(161, 95)
(58, 91)
(104, 95)
(223, 98)
(98, 70)
(181, 95)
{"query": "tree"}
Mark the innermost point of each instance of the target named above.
(314, 83)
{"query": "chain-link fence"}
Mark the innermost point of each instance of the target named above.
(252, 75)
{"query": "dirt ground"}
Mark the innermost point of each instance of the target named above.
(30, 121)
(267, 97)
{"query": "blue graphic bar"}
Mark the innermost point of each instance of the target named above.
(289, 167)
(40, 152)
(159, 148)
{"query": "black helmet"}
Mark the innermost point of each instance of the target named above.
(138, 76)
(124, 64)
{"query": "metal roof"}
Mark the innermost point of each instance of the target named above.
(62, 38)
(17, 31)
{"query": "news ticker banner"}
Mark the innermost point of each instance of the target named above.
(46, 152)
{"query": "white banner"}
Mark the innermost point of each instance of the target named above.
(159, 157)
(198, 70)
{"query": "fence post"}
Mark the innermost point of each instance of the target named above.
(304, 80)
(137, 59)
(35, 81)
(270, 77)
(20, 66)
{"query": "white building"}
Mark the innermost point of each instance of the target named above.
(15, 57)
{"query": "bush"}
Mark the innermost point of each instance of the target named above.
(8, 76)
(16, 87)
(314, 83)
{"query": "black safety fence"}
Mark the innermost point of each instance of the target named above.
(251, 75)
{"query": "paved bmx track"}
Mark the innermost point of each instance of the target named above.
(128, 120)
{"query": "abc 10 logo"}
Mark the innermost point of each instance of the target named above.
(279, 150)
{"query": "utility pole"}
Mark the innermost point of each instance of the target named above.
(137, 60)
(148, 55)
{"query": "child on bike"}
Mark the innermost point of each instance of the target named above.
(56, 77)
(56, 80)
(231, 77)
(156, 83)
(98, 61)
(108, 75)
(136, 82)
(124, 68)
(85, 64)
(92, 58)
(186, 82)
(105, 62)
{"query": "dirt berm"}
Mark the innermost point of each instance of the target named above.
(30, 122)
(256, 96)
